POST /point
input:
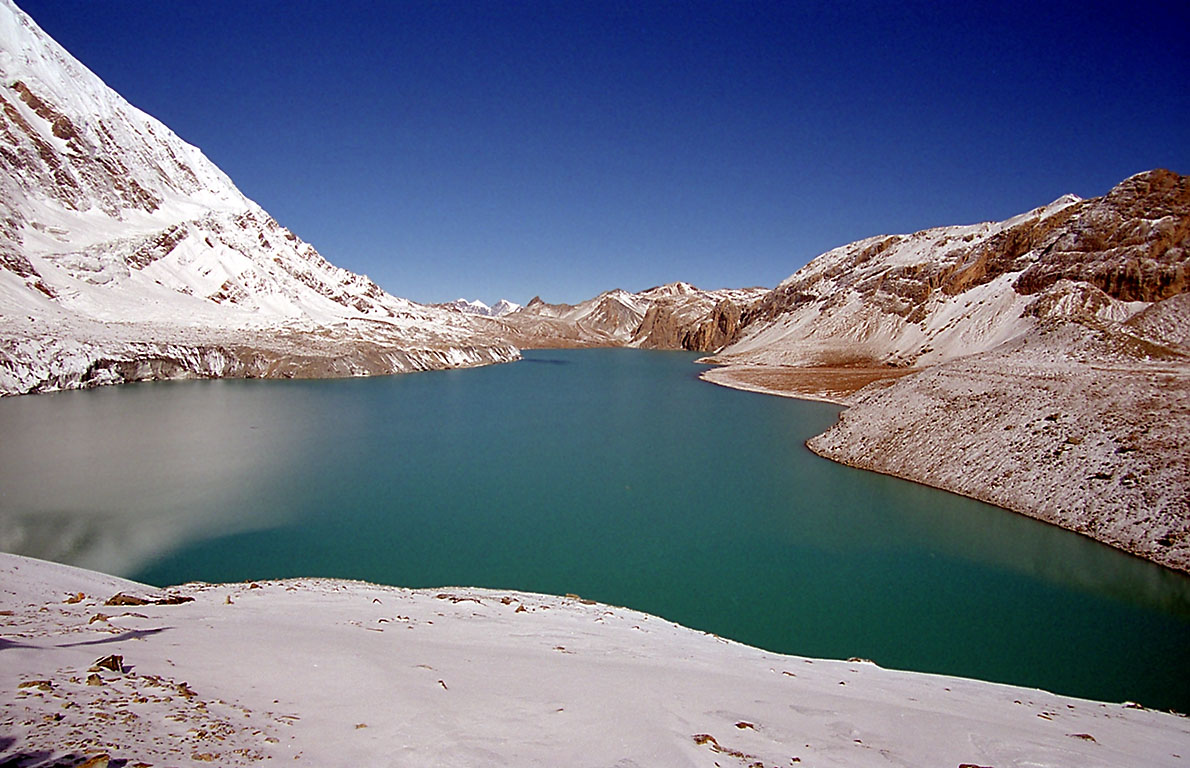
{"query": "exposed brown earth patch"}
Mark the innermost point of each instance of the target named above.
(831, 384)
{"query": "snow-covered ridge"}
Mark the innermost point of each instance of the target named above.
(117, 238)
(111, 155)
(338, 673)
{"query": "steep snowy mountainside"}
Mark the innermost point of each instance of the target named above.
(72, 143)
(942, 293)
(119, 240)
(672, 316)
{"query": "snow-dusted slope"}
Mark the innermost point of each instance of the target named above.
(121, 242)
(672, 316)
(1078, 426)
(1053, 348)
(942, 293)
(333, 673)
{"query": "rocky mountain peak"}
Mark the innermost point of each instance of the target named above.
(1132, 243)
(678, 288)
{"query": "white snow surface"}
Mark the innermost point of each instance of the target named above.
(337, 673)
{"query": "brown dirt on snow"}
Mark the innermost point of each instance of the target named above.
(835, 384)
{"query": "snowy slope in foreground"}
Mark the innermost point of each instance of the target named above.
(335, 673)
(125, 253)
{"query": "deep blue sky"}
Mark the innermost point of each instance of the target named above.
(506, 149)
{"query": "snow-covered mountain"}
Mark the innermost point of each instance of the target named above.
(125, 253)
(672, 316)
(1049, 353)
(918, 299)
(504, 307)
(477, 307)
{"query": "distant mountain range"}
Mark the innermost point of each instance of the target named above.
(672, 316)
(476, 307)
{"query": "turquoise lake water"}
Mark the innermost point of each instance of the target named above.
(613, 474)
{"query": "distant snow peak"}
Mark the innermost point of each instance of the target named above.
(504, 307)
(477, 307)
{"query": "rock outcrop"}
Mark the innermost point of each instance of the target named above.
(943, 293)
(1131, 244)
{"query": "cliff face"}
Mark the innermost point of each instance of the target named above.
(1048, 358)
(1131, 244)
(122, 247)
(665, 326)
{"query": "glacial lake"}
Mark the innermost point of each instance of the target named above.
(613, 474)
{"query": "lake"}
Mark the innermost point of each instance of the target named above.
(614, 474)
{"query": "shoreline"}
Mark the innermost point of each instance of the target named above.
(729, 375)
(990, 502)
(236, 674)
